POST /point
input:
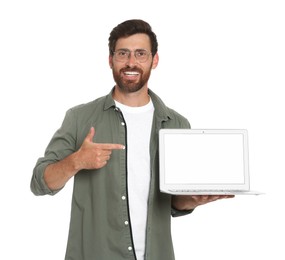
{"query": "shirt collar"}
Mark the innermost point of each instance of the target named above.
(161, 110)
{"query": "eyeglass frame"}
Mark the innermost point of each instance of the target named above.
(129, 54)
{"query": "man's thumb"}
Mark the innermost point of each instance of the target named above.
(91, 134)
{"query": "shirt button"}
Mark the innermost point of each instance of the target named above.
(122, 123)
(130, 248)
(123, 197)
(126, 223)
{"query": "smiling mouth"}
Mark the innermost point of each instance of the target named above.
(131, 73)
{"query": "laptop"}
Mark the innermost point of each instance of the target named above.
(204, 162)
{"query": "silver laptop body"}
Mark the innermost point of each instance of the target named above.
(204, 161)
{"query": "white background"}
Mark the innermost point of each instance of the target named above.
(221, 65)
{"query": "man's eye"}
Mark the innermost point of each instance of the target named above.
(122, 53)
(141, 53)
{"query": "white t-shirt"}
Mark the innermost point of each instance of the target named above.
(138, 123)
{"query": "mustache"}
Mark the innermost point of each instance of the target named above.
(134, 69)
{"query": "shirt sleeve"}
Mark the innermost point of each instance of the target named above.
(62, 144)
(179, 213)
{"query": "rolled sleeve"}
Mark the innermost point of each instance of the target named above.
(61, 145)
(179, 213)
(38, 185)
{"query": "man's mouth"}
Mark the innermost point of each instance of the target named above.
(131, 73)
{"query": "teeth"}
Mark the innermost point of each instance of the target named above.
(131, 73)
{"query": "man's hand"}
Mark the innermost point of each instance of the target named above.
(89, 156)
(188, 202)
(94, 155)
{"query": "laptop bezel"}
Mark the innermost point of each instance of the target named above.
(171, 188)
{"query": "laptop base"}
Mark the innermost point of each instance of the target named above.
(191, 192)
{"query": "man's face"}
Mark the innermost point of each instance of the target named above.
(131, 75)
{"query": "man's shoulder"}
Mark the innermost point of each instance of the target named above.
(85, 112)
(176, 114)
(91, 105)
(177, 118)
(171, 117)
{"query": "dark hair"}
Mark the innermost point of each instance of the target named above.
(131, 27)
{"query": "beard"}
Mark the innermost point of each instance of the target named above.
(130, 86)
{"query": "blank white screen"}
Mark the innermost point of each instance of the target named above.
(204, 159)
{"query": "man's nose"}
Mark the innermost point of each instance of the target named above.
(131, 60)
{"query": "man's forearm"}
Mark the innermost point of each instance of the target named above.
(189, 202)
(56, 175)
(181, 203)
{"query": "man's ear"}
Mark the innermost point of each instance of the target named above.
(155, 61)
(111, 61)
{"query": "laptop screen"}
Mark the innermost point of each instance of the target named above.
(204, 158)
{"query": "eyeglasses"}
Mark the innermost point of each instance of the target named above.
(123, 55)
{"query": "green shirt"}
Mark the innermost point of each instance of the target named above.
(99, 211)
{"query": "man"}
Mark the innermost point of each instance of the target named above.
(110, 147)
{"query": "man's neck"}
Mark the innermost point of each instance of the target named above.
(133, 99)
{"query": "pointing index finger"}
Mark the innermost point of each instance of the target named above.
(106, 146)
